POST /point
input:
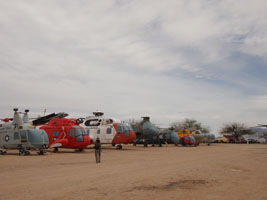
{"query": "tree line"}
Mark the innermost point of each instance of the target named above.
(234, 128)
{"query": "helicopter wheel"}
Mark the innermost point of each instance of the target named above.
(2, 152)
(41, 152)
(55, 150)
(80, 150)
(145, 144)
(24, 153)
(119, 146)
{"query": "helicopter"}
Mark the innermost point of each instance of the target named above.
(148, 133)
(64, 133)
(20, 134)
(195, 137)
(200, 137)
(108, 130)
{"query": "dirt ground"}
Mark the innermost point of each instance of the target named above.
(219, 171)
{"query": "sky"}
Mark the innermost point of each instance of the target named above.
(169, 60)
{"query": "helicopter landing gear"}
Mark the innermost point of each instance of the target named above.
(55, 150)
(145, 144)
(24, 152)
(80, 150)
(2, 152)
(119, 146)
(41, 152)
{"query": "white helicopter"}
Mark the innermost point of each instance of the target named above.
(108, 130)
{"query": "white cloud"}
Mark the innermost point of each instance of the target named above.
(168, 59)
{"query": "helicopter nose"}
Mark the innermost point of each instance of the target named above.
(87, 140)
(133, 135)
(174, 138)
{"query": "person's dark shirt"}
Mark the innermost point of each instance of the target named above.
(97, 145)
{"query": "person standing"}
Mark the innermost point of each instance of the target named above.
(97, 150)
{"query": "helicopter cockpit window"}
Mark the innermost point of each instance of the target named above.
(23, 135)
(79, 135)
(16, 136)
(126, 130)
(119, 129)
(98, 131)
(55, 134)
(71, 132)
(78, 132)
(107, 121)
(109, 130)
(92, 122)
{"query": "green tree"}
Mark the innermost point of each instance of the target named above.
(190, 124)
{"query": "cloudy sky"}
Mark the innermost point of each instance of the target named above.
(170, 60)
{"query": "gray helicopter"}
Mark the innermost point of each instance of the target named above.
(148, 133)
(20, 134)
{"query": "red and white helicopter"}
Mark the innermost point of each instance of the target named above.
(108, 130)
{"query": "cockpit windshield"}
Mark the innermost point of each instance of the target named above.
(125, 128)
(79, 133)
(93, 122)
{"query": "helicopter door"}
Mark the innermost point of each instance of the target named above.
(109, 136)
(23, 137)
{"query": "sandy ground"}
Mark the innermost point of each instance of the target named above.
(219, 171)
